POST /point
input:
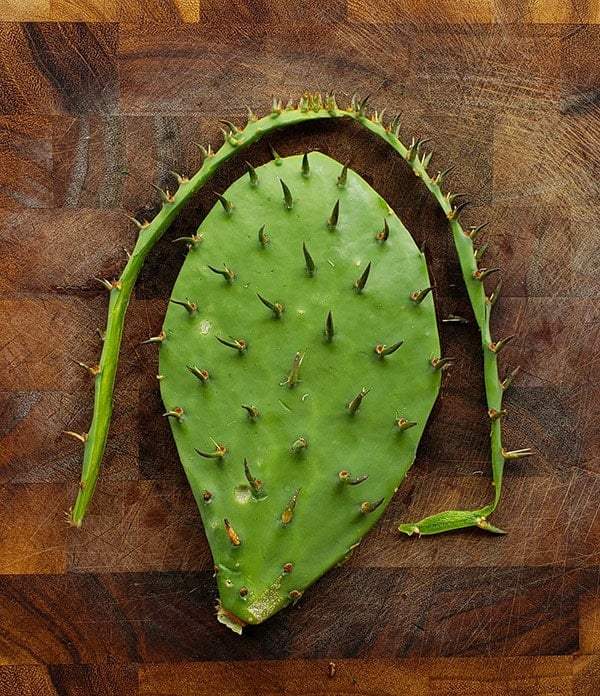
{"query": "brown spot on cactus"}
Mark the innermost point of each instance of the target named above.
(231, 533)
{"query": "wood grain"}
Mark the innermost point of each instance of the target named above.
(98, 100)
(190, 11)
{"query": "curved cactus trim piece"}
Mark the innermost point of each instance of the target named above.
(309, 108)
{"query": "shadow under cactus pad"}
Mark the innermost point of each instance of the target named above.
(296, 369)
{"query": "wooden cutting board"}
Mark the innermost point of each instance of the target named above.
(508, 92)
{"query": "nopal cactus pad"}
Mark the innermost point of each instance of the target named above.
(298, 368)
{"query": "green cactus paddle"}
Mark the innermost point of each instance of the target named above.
(301, 381)
(271, 378)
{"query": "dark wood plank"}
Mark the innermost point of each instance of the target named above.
(378, 677)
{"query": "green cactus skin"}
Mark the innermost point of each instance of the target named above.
(309, 108)
(324, 404)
